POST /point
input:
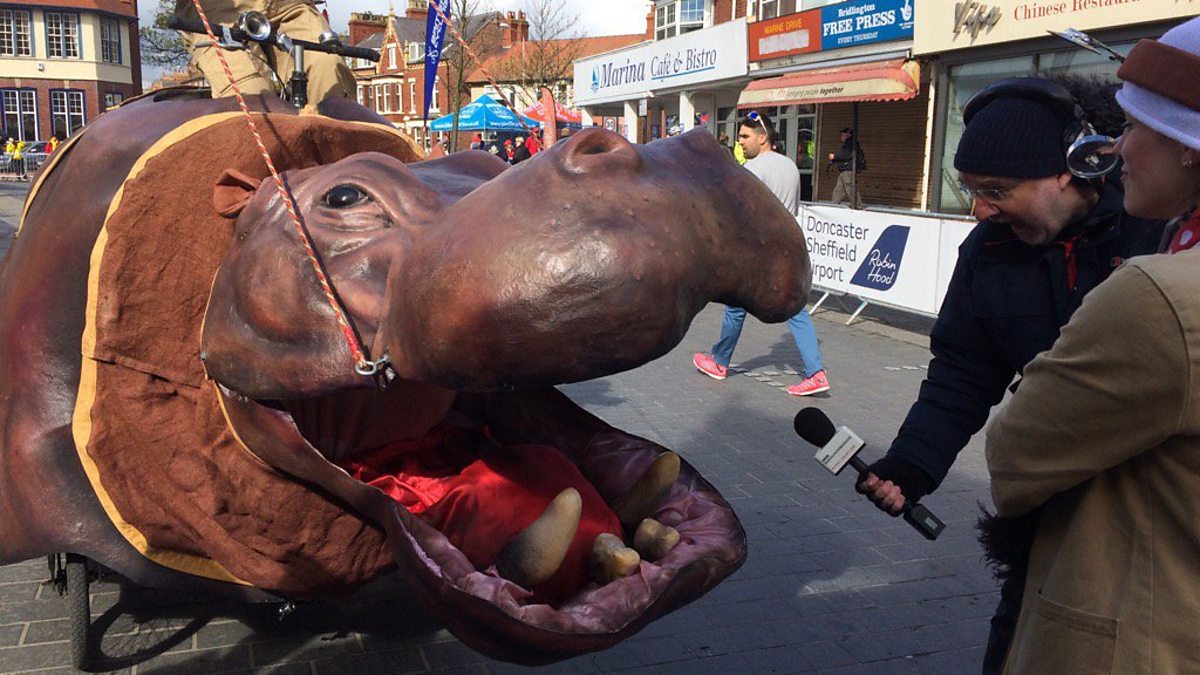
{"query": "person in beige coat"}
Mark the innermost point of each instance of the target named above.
(1104, 434)
(328, 74)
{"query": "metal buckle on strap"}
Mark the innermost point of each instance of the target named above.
(369, 368)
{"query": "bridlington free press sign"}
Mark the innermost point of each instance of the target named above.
(707, 55)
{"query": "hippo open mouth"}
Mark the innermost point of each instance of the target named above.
(269, 464)
(485, 287)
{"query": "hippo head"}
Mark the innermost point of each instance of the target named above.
(480, 287)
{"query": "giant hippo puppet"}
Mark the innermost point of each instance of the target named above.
(179, 402)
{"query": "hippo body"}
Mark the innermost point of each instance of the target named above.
(480, 302)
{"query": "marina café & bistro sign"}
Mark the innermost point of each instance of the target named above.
(708, 55)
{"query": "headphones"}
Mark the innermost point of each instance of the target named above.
(1089, 155)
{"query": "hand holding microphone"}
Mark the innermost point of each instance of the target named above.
(839, 447)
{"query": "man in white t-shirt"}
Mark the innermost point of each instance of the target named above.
(783, 178)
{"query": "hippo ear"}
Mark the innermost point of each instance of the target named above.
(233, 191)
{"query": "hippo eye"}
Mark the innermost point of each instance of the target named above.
(344, 196)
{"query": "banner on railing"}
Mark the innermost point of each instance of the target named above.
(894, 259)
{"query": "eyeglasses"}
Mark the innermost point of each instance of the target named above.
(753, 116)
(987, 194)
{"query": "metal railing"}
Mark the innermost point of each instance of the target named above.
(21, 169)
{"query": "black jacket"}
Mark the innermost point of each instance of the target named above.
(521, 154)
(1005, 304)
(846, 153)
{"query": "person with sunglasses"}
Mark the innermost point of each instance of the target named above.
(777, 172)
(1110, 578)
(1045, 239)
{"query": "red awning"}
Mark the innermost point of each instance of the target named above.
(563, 114)
(894, 80)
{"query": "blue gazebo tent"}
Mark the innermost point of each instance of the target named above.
(484, 114)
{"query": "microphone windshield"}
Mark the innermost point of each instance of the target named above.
(814, 426)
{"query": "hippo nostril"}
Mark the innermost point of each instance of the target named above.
(597, 149)
(593, 149)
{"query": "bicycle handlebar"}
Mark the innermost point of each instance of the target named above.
(340, 50)
(239, 35)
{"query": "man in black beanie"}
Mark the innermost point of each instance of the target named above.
(1045, 238)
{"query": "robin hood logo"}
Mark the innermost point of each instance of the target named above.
(881, 266)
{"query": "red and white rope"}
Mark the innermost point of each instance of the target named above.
(362, 364)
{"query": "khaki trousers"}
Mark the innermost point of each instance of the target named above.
(842, 189)
(328, 75)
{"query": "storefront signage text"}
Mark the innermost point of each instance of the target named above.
(1040, 10)
(785, 36)
(704, 55)
(973, 17)
(860, 22)
(846, 24)
(949, 25)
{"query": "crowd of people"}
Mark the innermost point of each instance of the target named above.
(22, 158)
(513, 149)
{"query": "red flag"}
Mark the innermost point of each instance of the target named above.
(549, 118)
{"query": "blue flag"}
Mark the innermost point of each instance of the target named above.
(435, 37)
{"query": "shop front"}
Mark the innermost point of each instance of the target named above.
(664, 87)
(976, 43)
(841, 65)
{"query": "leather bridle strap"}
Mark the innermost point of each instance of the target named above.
(362, 365)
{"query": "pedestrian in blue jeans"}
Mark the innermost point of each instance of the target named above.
(779, 174)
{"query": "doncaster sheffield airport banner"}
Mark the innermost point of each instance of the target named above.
(893, 259)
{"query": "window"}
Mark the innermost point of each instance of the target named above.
(380, 100)
(435, 104)
(66, 111)
(965, 80)
(110, 40)
(691, 15)
(677, 17)
(362, 95)
(113, 99)
(392, 57)
(62, 35)
(14, 33)
(412, 96)
(20, 113)
(664, 21)
(416, 51)
(769, 9)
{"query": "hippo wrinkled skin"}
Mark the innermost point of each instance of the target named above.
(484, 285)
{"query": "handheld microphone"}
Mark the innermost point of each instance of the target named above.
(839, 447)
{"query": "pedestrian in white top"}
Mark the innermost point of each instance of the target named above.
(783, 178)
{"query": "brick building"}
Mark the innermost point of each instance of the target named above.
(64, 62)
(395, 87)
(687, 70)
(511, 68)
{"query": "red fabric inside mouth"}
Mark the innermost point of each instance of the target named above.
(480, 494)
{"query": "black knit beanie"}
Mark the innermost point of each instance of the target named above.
(1013, 137)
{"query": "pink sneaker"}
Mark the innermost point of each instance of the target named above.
(707, 365)
(810, 385)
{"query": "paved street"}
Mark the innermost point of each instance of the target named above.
(831, 585)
